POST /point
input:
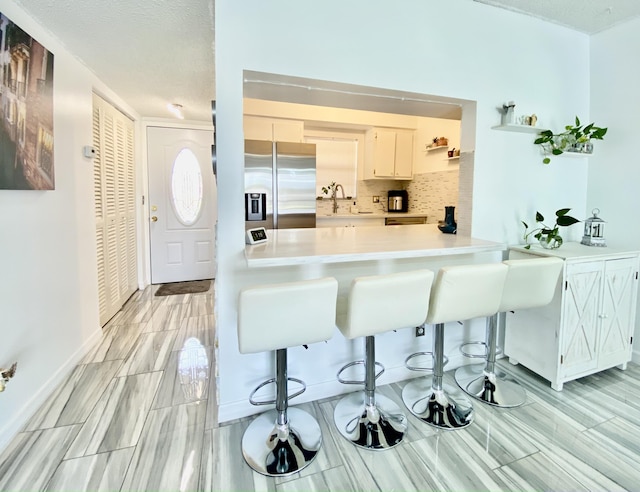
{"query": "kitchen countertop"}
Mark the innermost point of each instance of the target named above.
(349, 244)
(370, 215)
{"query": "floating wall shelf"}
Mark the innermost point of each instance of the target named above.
(574, 154)
(518, 128)
(429, 149)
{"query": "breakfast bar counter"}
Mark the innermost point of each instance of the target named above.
(345, 253)
(349, 244)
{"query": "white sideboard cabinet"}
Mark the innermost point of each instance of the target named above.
(588, 326)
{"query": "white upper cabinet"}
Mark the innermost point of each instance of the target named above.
(389, 154)
(273, 129)
(404, 154)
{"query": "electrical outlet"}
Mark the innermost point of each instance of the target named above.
(419, 331)
(376, 199)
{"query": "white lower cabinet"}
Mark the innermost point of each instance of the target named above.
(588, 326)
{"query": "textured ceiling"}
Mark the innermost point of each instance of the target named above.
(588, 16)
(155, 52)
(150, 52)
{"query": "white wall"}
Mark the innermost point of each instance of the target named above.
(48, 293)
(458, 49)
(614, 173)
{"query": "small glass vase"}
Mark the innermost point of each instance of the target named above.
(550, 242)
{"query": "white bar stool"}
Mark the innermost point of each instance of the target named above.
(378, 304)
(273, 317)
(530, 283)
(459, 293)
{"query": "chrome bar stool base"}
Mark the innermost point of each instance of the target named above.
(280, 450)
(369, 420)
(377, 427)
(285, 440)
(446, 408)
(486, 382)
(495, 388)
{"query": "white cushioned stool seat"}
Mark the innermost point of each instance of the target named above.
(466, 291)
(378, 304)
(529, 283)
(459, 293)
(381, 303)
(273, 317)
(304, 312)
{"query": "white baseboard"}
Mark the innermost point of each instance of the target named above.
(15, 425)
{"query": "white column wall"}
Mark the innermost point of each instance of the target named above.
(458, 49)
(48, 293)
(614, 173)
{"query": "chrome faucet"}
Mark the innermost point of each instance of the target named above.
(334, 197)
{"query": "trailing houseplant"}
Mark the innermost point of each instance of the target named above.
(549, 237)
(575, 138)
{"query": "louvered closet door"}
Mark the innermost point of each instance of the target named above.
(114, 180)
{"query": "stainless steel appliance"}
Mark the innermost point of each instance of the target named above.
(398, 201)
(279, 184)
(405, 220)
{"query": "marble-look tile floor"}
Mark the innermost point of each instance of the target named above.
(139, 414)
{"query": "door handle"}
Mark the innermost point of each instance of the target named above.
(154, 219)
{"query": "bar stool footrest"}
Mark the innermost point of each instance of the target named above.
(422, 368)
(478, 356)
(271, 402)
(357, 363)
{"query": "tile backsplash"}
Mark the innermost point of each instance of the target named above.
(428, 193)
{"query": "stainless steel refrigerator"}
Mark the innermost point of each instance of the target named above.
(280, 184)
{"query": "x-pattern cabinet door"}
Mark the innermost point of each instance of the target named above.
(618, 310)
(583, 285)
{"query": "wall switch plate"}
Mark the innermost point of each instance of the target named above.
(419, 331)
(376, 199)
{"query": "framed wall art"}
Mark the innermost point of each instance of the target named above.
(26, 111)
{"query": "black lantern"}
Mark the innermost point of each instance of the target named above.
(594, 230)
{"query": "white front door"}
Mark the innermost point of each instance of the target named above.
(182, 204)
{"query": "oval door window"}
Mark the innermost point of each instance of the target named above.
(186, 187)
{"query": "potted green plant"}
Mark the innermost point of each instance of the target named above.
(575, 138)
(330, 189)
(549, 237)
